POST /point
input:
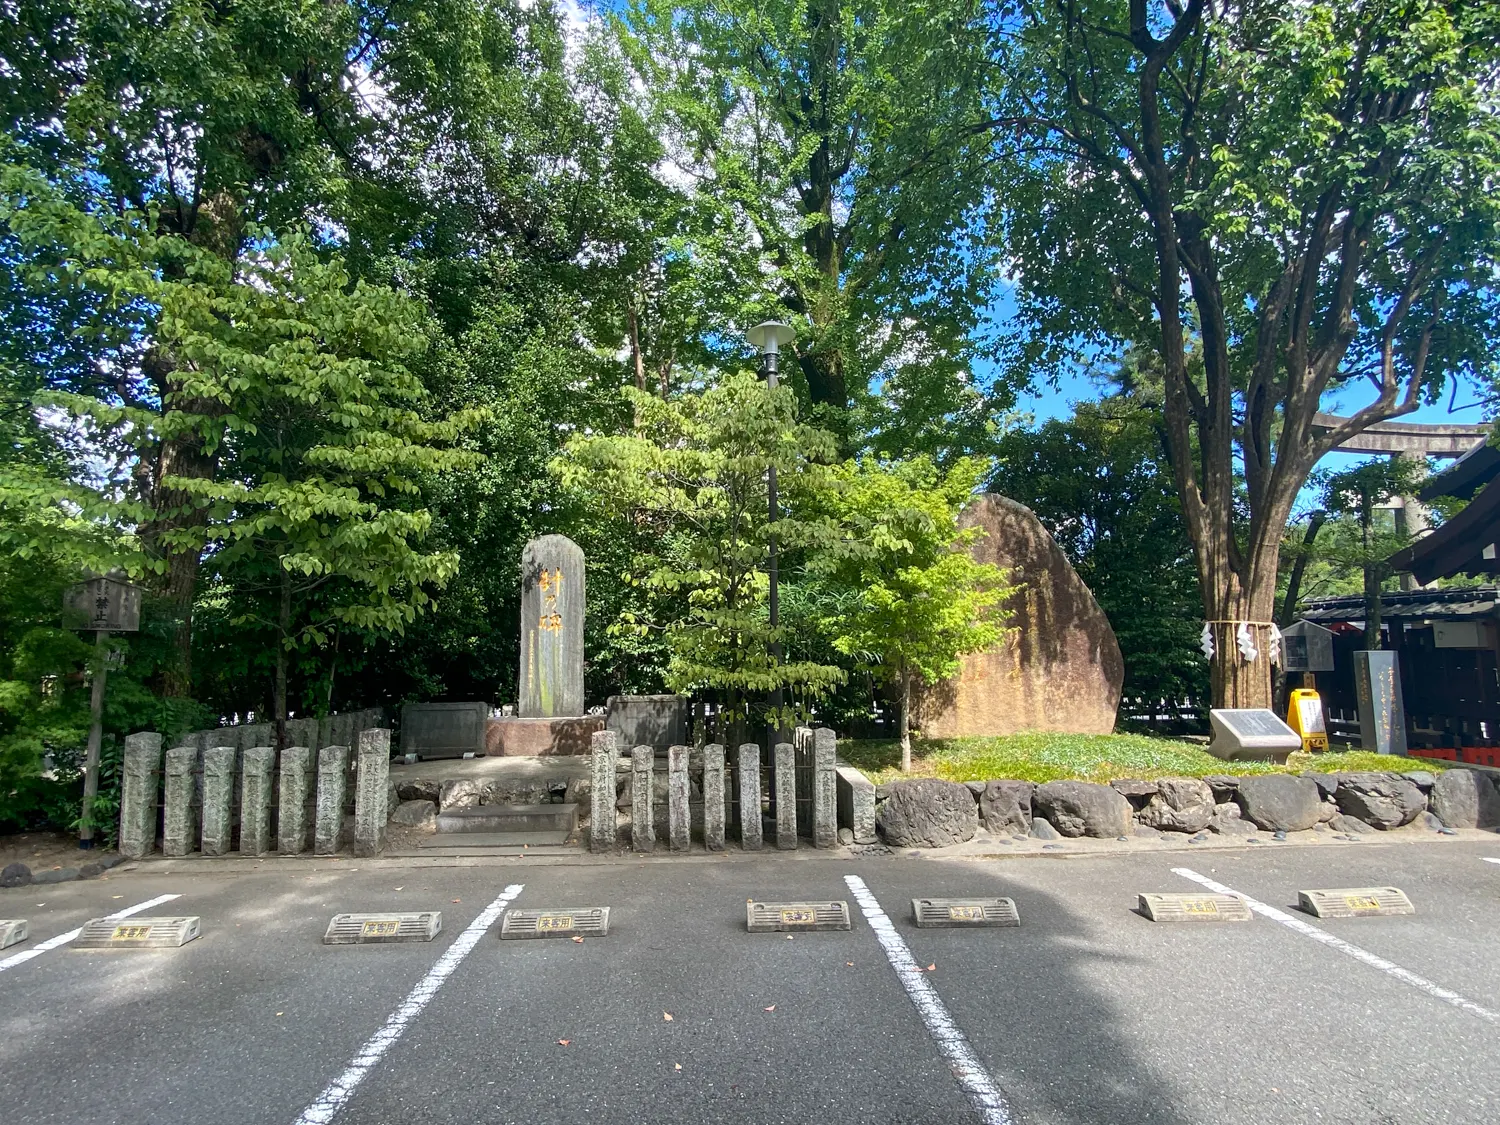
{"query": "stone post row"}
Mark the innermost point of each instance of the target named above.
(179, 824)
(256, 788)
(606, 753)
(678, 822)
(713, 797)
(750, 832)
(642, 832)
(218, 799)
(141, 769)
(333, 792)
(371, 792)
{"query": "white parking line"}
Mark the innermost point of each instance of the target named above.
(341, 1089)
(969, 1072)
(1490, 859)
(63, 939)
(1349, 948)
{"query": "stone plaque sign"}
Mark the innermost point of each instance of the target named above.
(950, 913)
(444, 730)
(576, 921)
(775, 917)
(658, 721)
(381, 929)
(552, 600)
(137, 933)
(1382, 715)
(1355, 902)
(1251, 734)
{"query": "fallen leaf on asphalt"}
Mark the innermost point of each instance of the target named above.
(932, 968)
(790, 936)
(849, 963)
(667, 1016)
(563, 1042)
(113, 896)
(578, 938)
(677, 1066)
(772, 1008)
(278, 1013)
(399, 888)
(458, 900)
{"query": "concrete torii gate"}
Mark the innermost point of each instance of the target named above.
(1410, 439)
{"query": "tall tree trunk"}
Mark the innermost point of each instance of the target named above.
(1315, 524)
(905, 720)
(283, 634)
(1235, 681)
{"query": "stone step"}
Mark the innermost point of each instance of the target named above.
(498, 843)
(510, 818)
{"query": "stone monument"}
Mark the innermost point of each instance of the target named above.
(552, 598)
(1382, 714)
(551, 717)
(1060, 669)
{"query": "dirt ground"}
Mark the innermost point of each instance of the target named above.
(43, 851)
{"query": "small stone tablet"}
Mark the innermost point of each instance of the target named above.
(566, 921)
(1355, 902)
(1194, 908)
(956, 913)
(777, 917)
(382, 929)
(12, 931)
(137, 933)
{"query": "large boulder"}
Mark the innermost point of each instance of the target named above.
(1059, 669)
(1279, 802)
(419, 789)
(1383, 800)
(927, 812)
(1181, 804)
(15, 875)
(1227, 821)
(459, 793)
(1465, 799)
(416, 814)
(1005, 806)
(1078, 808)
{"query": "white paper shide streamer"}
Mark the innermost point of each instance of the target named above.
(1206, 641)
(1245, 640)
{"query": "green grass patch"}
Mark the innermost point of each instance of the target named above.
(1042, 756)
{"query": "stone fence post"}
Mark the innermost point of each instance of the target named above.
(713, 797)
(750, 831)
(141, 769)
(371, 793)
(825, 788)
(642, 832)
(606, 754)
(256, 787)
(292, 835)
(786, 796)
(179, 819)
(218, 799)
(333, 792)
(678, 815)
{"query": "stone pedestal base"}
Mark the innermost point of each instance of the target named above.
(542, 737)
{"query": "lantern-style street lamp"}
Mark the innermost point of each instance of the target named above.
(768, 338)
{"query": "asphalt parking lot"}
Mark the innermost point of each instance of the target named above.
(1087, 1012)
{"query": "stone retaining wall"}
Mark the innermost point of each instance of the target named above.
(930, 813)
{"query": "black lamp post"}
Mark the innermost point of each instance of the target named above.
(768, 338)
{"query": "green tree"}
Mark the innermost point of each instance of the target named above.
(1101, 483)
(693, 474)
(1301, 195)
(916, 601)
(836, 141)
